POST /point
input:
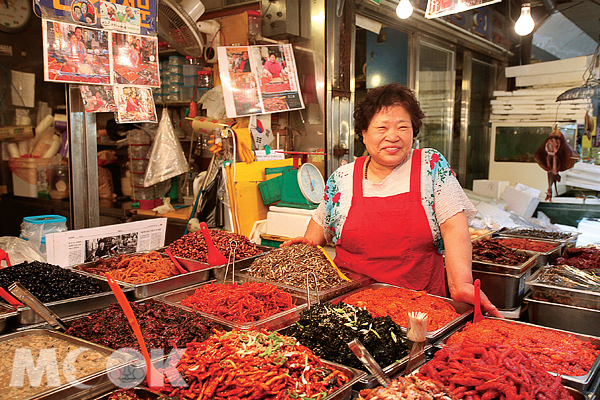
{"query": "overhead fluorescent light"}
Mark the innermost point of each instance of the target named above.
(368, 24)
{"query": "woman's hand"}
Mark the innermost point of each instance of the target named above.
(298, 240)
(466, 294)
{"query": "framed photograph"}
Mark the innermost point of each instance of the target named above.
(75, 54)
(98, 98)
(135, 60)
(135, 104)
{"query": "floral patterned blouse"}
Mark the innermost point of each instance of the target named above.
(441, 194)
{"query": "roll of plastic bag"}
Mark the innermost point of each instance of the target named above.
(167, 159)
(19, 250)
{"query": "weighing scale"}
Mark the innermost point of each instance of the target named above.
(300, 189)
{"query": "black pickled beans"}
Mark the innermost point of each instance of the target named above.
(326, 329)
(49, 282)
(163, 326)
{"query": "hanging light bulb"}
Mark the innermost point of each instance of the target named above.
(404, 9)
(525, 24)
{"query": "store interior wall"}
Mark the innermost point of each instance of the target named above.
(27, 56)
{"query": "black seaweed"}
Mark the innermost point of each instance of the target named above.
(327, 329)
(48, 282)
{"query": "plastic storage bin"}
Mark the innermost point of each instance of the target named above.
(190, 80)
(176, 60)
(25, 175)
(187, 92)
(35, 228)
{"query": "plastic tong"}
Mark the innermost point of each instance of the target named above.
(369, 362)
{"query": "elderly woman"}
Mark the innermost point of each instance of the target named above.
(392, 213)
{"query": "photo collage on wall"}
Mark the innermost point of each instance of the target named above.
(110, 49)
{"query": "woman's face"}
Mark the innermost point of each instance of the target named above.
(389, 137)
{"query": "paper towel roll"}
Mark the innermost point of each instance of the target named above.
(56, 142)
(24, 146)
(13, 150)
(208, 125)
(44, 124)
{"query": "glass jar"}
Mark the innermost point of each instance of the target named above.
(59, 182)
(204, 79)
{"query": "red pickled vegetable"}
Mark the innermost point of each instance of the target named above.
(469, 369)
(246, 302)
(554, 351)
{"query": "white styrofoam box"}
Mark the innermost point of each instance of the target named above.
(489, 188)
(287, 221)
(528, 189)
(549, 67)
(563, 78)
(520, 203)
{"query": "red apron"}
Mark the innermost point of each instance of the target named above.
(389, 238)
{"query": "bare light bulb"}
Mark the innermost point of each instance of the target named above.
(525, 24)
(404, 9)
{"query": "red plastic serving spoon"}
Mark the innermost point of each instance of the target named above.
(214, 256)
(153, 377)
(174, 260)
(477, 316)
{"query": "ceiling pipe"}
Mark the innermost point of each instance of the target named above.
(550, 6)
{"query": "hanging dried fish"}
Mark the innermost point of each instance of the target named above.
(555, 155)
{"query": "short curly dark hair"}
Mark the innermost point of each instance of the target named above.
(393, 94)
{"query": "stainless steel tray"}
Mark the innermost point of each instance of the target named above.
(96, 381)
(562, 316)
(546, 257)
(522, 233)
(508, 269)
(76, 305)
(7, 313)
(274, 322)
(145, 290)
(505, 291)
(562, 295)
(353, 375)
(465, 311)
(582, 382)
(218, 271)
(142, 392)
(357, 281)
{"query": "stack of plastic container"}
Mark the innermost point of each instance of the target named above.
(174, 77)
(139, 149)
(190, 78)
(161, 93)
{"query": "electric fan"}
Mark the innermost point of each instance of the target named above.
(177, 25)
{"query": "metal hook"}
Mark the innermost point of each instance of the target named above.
(231, 259)
(308, 288)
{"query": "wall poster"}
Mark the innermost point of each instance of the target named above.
(439, 8)
(259, 79)
(135, 60)
(75, 54)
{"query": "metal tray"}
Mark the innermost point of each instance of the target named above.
(532, 261)
(565, 317)
(95, 382)
(582, 382)
(465, 311)
(76, 305)
(505, 291)
(563, 295)
(357, 281)
(343, 393)
(546, 257)
(7, 313)
(218, 271)
(145, 290)
(274, 322)
(569, 242)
